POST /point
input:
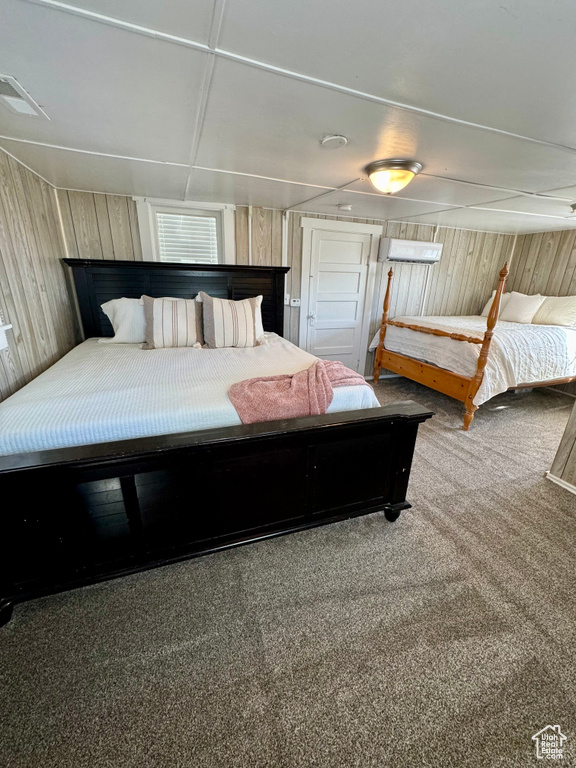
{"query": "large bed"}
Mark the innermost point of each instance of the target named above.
(119, 458)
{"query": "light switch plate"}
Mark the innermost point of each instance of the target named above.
(286, 299)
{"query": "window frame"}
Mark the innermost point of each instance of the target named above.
(148, 207)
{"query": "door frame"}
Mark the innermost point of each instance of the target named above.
(309, 225)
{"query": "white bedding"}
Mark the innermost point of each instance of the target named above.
(104, 392)
(519, 353)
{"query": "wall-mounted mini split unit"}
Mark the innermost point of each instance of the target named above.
(409, 251)
(16, 99)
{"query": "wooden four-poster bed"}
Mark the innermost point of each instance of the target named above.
(456, 385)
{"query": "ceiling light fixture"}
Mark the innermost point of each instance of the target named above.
(573, 206)
(389, 176)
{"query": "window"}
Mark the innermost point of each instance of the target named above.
(190, 237)
(189, 233)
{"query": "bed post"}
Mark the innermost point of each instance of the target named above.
(386, 309)
(474, 385)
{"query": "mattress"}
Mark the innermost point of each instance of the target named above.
(519, 353)
(105, 392)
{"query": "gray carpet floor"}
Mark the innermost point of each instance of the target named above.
(445, 639)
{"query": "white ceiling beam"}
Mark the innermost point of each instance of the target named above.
(215, 28)
(126, 25)
(322, 194)
(91, 152)
(521, 192)
(489, 210)
(264, 178)
(520, 213)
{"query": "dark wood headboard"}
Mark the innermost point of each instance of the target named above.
(99, 281)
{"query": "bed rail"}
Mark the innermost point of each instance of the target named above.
(437, 332)
(431, 375)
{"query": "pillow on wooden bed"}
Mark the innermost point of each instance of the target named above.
(521, 308)
(503, 301)
(557, 310)
(230, 323)
(128, 323)
(172, 323)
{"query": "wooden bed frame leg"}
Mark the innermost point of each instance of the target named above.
(468, 418)
(385, 311)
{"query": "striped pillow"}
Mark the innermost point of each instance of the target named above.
(230, 323)
(172, 323)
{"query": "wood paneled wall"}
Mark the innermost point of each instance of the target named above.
(266, 237)
(546, 263)
(100, 226)
(34, 294)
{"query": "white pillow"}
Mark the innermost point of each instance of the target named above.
(127, 318)
(521, 308)
(557, 310)
(503, 301)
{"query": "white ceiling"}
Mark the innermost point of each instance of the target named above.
(227, 100)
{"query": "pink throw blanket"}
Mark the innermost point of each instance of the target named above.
(306, 393)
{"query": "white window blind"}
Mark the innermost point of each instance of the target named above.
(188, 237)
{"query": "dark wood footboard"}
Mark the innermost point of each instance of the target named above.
(80, 515)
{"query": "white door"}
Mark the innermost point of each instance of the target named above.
(338, 262)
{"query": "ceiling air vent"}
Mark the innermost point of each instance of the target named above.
(16, 99)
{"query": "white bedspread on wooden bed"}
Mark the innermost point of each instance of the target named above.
(104, 392)
(519, 354)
